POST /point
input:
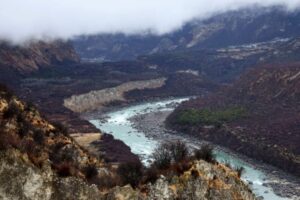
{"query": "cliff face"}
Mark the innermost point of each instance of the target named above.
(203, 181)
(258, 116)
(20, 179)
(31, 57)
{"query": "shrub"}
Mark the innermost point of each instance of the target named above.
(90, 171)
(21, 118)
(24, 129)
(179, 151)
(12, 110)
(39, 137)
(3, 142)
(131, 173)
(106, 181)
(5, 92)
(36, 157)
(162, 156)
(64, 169)
(205, 153)
(168, 152)
(8, 140)
(54, 154)
(60, 128)
(227, 164)
(30, 107)
(151, 175)
(240, 170)
(59, 154)
(28, 146)
(210, 117)
(195, 173)
(181, 167)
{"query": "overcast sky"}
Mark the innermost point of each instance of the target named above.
(21, 20)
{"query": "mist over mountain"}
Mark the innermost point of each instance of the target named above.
(22, 21)
(244, 26)
(150, 99)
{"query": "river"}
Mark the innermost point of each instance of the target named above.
(119, 124)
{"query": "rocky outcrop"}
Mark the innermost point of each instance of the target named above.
(124, 193)
(96, 99)
(203, 181)
(31, 57)
(21, 180)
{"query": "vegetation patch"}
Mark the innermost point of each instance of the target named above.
(210, 117)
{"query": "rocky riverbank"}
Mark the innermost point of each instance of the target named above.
(97, 99)
(152, 124)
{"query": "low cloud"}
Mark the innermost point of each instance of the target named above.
(22, 20)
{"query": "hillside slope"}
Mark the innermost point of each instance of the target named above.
(40, 159)
(35, 55)
(258, 116)
(43, 162)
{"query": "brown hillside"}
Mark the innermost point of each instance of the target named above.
(258, 115)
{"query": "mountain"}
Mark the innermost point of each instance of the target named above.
(251, 25)
(258, 116)
(30, 57)
(227, 63)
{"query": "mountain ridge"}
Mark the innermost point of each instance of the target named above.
(245, 26)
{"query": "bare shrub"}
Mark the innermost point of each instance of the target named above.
(60, 128)
(240, 170)
(106, 181)
(151, 175)
(205, 153)
(131, 173)
(64, 169)
(162, 156)
(168, 152)
(39, 136)
(12, 110)
(24, 129)
(27, 146)
(90, 171)
(5, 92)
(9, 141)
(179, 151)
(181, 167)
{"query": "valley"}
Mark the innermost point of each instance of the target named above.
(89, 113)
(141, 127)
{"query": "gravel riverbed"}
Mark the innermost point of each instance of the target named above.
(152, 125)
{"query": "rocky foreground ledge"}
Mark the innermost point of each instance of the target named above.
(202, 181)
